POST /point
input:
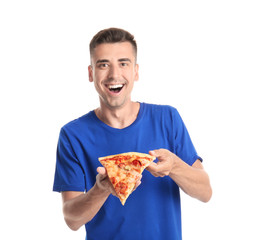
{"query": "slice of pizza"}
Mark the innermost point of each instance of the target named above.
(124, 170)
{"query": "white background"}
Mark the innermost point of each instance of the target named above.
(202, 57)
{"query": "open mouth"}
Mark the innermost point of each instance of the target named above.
(115, 88)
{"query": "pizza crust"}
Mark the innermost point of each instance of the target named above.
(128, 154)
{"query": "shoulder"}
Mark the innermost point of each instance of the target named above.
(167, 115)
(160, 109)
(78, 124)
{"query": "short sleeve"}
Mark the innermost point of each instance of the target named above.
(184, 147)
(69, 175)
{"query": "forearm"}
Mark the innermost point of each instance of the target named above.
(192, 180)
(81, 209)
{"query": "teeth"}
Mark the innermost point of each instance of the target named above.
(115, 86)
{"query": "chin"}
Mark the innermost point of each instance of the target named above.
(116, 104)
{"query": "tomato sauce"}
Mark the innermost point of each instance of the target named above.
(121, 187)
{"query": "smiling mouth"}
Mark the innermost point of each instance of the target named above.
(115, 88)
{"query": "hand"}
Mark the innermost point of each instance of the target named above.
(165, 164)
(103, 182)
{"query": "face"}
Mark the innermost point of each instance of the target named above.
(113, 70)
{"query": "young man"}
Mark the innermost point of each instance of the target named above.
(120, 125)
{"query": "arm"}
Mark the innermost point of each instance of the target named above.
(193, 180)
(79, 208)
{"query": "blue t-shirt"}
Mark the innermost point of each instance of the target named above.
(153, 210)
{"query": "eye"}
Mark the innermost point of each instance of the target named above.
(124, 64)
(103, 65)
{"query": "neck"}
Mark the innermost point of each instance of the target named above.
(120, 117)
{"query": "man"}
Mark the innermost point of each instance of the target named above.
(120, 125)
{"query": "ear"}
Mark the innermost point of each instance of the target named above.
(136, 77)
(90, 70)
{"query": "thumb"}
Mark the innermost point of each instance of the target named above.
(102, 171)
(156, 153)
(102, 174)
(159, 153)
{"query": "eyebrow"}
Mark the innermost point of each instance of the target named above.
(124, 60)
(119, 60)
(102, 61)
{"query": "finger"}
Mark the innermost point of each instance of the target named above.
(153, 153)
(152, 167)
(101, 170)
(102, 173)
(159, 153)
(158, 169)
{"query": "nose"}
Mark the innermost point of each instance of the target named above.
(114, 72)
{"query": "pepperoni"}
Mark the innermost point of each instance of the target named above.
(136, 163)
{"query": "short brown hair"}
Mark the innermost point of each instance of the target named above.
(113, 35)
